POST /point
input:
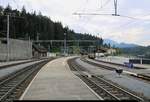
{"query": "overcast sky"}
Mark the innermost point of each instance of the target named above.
(121, 29)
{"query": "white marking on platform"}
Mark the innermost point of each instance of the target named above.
(130, 73)
(87, 85)
(22, 96)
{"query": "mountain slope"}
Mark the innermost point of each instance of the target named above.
(119, 45)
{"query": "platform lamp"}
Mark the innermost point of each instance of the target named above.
(64, 43)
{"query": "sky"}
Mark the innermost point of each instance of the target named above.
(133, 26)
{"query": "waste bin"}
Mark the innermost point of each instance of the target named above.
(129, 65)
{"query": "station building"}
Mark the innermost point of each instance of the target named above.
(38, 51)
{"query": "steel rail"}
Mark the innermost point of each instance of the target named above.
(132, 96)
(139, 76)
(99, 89)
(18, 63)
(18, 81)
(94, 83)
(117, 64)
(78, 69)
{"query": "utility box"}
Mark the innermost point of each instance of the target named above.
(128, 64)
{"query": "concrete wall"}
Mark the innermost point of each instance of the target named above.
(19, 49)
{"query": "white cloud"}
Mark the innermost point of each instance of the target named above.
(120, 29)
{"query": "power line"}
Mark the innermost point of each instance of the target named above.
(16, 3)
(105, 15)
(102, 5)
(89, 14)
(114, 14)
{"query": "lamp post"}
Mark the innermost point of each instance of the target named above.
(64, 43)
(8, 38)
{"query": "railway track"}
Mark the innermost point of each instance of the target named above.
(139, 76)
(19, 63)
(12, 87)
(136, 67)
(102, 87)
(98, 65)
(14, 65)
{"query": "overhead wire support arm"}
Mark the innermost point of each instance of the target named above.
(115, 5)
(90, 14)
(114, 14)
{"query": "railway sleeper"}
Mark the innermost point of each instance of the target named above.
(102, 94)
(107, 98)
(108, 87)
(3, 91)
(11, 85)
(125, 98)
(94, 88)
(6, 87)
(116, 93)
(113, 92)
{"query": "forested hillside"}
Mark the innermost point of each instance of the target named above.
(135, 51)
(24, 25)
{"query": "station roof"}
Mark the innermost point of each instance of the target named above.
(39, 48)
(102, 50)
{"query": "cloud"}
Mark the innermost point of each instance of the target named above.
(121, 29)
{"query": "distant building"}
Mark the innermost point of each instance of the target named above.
(38, 51)
(111, 51)
(51, 54)
(102, 51)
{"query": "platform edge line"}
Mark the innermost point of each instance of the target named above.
(22, 96)
(85, 83)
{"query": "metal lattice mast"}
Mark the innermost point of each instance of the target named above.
(8, 38)
(115, 5)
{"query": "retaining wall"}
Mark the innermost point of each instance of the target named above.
(18, 49)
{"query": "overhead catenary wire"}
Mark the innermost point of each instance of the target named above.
(105, 3)
(113, 14)
(16, 3)
(98, 14)
(124, 16)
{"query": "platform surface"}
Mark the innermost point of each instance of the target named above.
(55, 81)
(121, 60)
(132, 70)
(135, 85)
(12, 62)
(6, 71)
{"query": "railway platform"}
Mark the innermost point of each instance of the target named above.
(9, 69)
(132, 70)
(12, 62)
(121, 61)
(55, 81)
(127, 82)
